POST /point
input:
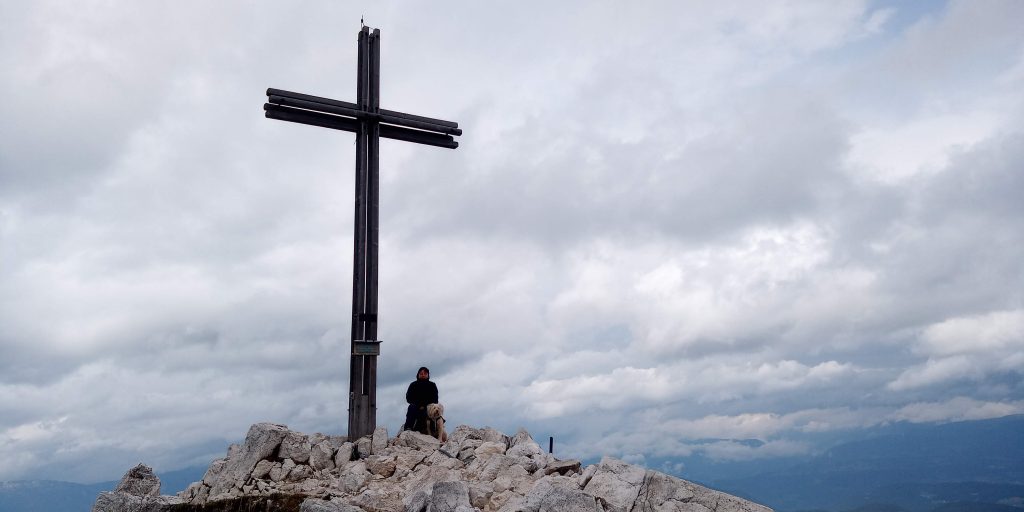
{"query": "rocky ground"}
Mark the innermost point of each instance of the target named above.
(276, 469)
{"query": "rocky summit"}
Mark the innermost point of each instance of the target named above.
(276, 469)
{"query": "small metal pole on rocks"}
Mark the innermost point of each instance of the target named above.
(551, 444)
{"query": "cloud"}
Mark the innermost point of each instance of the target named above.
(956, 409)
(772, 222)
(997, 331)
(973, 347)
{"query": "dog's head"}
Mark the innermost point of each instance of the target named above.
(435, 411)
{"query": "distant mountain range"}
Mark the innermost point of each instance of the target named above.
(970, 466)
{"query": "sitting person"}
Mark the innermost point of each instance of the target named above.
(421, 393)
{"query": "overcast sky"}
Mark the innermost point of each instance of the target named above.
(666, 221)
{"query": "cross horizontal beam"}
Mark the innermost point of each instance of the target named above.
(351, 124)
(327, 105)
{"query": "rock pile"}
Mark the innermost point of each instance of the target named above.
(475, 470)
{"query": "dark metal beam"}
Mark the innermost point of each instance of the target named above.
(361, 114)
(396, 116)
(348, 124)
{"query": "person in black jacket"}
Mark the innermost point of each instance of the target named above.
(421, 392)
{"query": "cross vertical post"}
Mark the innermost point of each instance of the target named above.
(362, 402)
(369, 122)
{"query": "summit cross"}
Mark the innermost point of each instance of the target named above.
(369, 122)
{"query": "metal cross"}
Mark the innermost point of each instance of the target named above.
(369, 122)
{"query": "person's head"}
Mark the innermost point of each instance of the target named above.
(423, 373)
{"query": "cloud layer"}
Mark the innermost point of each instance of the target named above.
(719, 221)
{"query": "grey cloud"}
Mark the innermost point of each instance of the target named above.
(650, 215)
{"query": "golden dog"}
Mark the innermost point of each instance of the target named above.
(435, 423)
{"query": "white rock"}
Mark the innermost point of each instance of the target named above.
(531, 502)
(407, 458)
(488, 470)
(321, 457)
(299, 473)
(234, 450)
(379, 439)
(488, 448)
(467, 454)
(505, 501)
(262, 469)
(480, 493)
(449, 496)
(261, 442)
(191, 491)
(344, 454)
(279, 472)
(354, 477)
(382, 499)
(588, 473)
(494, 436)
(709, 498)
(617, 483)
(438, 459)
(382, 465)
(139, 481)
(417, 441)
(364, 447)
(214, 471)
(124, 502)
(295, 446)
(568, 500)
(318, 505)
(563, 467)
(525, 448)
(417, 501)
(521, 436)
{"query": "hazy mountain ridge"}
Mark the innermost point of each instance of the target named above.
(917, 467)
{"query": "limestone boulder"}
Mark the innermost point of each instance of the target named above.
(124, 502)
(587, 474)
(319, 505)
(321, 456)
(381, 465)
(214, 471)
(677, 491)
(354, 477)
(364, 447)
(262, 469)
(617, 483)
(344, 454)
(139, 481)
(379, 439)
(262, 441)
(494, 436)
(563, 467)
(295, 446)
(449, 497)
(417, 441)
(568, 500)
(280, 471)
(417, 501)
(488, 448)
(379, 499)
(300, 473)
